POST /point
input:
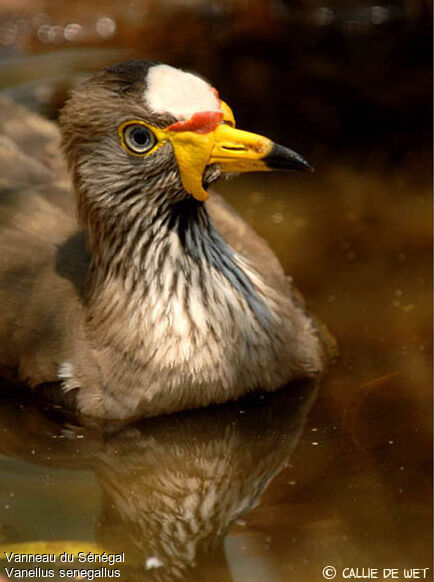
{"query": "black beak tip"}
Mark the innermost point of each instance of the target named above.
(281, 158)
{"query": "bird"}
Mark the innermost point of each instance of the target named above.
(127, 287)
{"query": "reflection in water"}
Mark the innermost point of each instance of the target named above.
(171, 486)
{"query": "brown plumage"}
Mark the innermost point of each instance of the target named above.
(153, 301)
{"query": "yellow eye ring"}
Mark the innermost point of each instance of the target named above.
(137, 137)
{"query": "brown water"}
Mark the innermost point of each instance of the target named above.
(270, 489)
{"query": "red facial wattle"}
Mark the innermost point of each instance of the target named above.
(200, 122)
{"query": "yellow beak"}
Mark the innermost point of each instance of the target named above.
(233, 149)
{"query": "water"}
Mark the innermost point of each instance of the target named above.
(272, 489)
(269, 489)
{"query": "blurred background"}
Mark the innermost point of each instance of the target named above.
(349, 85)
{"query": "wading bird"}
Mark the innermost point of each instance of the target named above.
(156, 299)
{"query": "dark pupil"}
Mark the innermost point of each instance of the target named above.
(140, 136)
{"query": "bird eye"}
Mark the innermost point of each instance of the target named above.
(139, 139)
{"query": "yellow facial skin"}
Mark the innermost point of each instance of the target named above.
(233, 149)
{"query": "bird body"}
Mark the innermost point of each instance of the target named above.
(155, 300)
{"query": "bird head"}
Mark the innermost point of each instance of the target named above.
(143, 124)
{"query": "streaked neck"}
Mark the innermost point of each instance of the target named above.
(167, 251)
